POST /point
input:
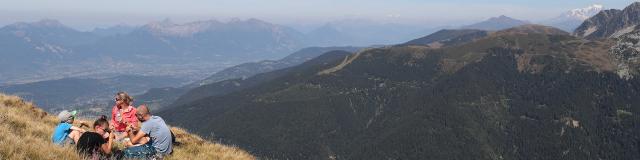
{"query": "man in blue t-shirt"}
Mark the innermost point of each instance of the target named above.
(157, 129)
(65, 133)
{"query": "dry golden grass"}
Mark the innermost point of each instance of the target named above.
(194, 147)
(25, 133)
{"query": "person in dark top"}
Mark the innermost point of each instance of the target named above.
(97, 144)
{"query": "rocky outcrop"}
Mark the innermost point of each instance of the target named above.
(626, 53)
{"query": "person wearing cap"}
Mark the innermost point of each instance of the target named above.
(65, 133)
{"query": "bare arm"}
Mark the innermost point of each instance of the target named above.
(106, 148)
(113, 116)
(77, 129)
(135, 139)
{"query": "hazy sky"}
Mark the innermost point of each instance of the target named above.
(85, 14)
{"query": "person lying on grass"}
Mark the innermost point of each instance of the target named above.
(65, 133)
(96, 144)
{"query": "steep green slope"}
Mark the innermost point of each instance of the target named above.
(523, 93)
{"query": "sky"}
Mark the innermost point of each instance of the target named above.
(87, 14)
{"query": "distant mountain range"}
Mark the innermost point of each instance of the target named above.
(47, 31)
(211, 40)
(28, 48)
(496, 23)
(44, 49)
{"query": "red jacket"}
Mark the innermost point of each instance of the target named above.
(128, 116)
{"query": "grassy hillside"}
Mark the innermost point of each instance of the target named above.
(25, 132)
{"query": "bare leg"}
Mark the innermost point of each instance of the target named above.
(128, 143)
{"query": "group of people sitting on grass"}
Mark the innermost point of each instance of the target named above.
(143, 135)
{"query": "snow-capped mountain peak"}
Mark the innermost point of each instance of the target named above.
(571, 19)
(584, 13)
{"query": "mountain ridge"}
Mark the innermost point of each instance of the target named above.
(610, 23)
(495, 97)
(448, 37)
(163, 97)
